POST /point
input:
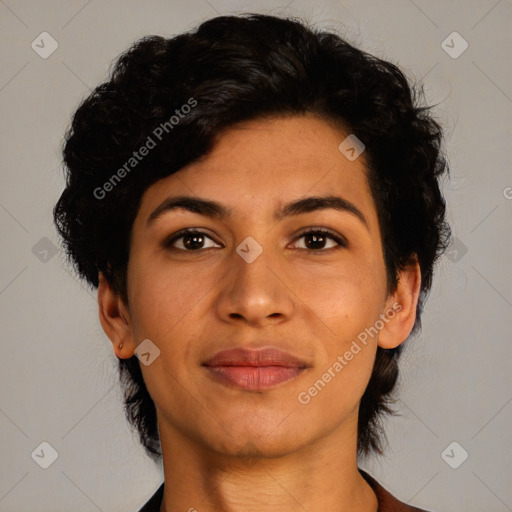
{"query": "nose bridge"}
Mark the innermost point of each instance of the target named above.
(252, 289)
(250, 264)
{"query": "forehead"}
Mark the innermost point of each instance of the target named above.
(256, 166)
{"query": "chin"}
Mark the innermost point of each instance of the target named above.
(260, 440)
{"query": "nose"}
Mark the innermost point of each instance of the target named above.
(255, 291)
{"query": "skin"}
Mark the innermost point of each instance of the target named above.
(229, 449)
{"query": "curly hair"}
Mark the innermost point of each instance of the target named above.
(238, 68)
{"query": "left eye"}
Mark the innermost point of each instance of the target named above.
(319, 237)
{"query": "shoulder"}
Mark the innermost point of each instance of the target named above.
(387, 502)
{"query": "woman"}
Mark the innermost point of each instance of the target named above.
(258, 204)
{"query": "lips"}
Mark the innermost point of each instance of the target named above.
(251, 357)
(254, 369)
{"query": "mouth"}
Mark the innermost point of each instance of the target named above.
(254, 370)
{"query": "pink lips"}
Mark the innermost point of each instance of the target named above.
(254, 369)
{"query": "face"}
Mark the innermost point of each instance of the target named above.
(257, 274)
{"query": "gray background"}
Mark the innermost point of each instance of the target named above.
(58, 381)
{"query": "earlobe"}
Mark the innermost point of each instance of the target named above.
(401, 307)
(115, 320)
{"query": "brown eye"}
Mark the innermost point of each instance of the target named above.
(316, 239)
(189, 240)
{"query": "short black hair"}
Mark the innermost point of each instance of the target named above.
(232, 69)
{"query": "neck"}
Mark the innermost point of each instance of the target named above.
(320, 476)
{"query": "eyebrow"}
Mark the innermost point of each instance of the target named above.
(217, 210)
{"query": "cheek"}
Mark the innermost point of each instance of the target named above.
(347, 298)
(333, 392)
(160, 299)
(347, 301)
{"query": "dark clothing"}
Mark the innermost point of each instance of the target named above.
(155, 502)
(387, 502)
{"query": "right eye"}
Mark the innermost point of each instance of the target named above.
(191, 240)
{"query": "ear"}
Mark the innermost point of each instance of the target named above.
(115, 319)
(399, 313)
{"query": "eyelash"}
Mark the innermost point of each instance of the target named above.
(313, 231)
